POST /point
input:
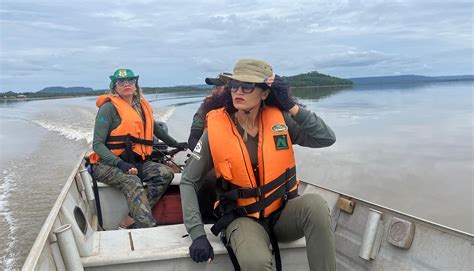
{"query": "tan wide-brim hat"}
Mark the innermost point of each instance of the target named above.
(251, 71)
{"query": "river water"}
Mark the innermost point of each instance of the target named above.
(407, 147)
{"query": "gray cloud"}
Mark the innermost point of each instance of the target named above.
(181, 42)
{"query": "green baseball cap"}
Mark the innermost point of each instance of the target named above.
(122, 74)
(251, 71)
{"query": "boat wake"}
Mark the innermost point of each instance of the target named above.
(68, 131)
(7, 261)
(163, 114)
(83, 130)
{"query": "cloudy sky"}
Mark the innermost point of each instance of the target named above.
(80, 43)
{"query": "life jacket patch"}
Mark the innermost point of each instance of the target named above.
(279, 128)
(281, 142)
(198, 147)
(197, 150)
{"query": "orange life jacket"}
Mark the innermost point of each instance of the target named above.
(131, 126)
(276, 162)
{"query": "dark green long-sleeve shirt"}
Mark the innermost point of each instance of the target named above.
(305, 129)
(108, 119)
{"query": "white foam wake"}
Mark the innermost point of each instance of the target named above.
(8, 185)
(84, 131)
(68, 131)
(164, 113)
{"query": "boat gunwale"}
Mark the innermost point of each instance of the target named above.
(425, 222)
(40, 242)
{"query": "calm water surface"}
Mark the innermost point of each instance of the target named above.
(406, 147)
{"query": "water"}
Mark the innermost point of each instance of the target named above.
(406, 147)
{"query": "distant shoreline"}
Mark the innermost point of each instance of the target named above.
(356, 84)
(324, 86)
(14, 99)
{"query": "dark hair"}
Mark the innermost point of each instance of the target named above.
(225, 100)
(215, 101)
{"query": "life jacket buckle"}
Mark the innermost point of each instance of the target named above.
(241, 211)
(250, 192)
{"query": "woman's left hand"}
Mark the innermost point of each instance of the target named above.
(127, 168)
(133, 171)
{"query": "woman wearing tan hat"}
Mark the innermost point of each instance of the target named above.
(123, 143)
(249, 144)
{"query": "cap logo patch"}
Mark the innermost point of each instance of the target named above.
(279, 128)
(122, 73)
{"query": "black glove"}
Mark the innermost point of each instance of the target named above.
(124, 166)
(201, 250)
(182, 146)
(280, 89)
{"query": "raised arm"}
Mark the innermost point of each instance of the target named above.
(309, 130)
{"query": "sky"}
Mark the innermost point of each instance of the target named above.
(80, 43)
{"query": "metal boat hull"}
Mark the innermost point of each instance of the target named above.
(372, 237)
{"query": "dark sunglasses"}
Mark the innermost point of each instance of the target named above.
(234, 85)
(122, 82)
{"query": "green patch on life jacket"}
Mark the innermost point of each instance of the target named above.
(281, 142)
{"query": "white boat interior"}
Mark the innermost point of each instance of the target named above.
(368, 237)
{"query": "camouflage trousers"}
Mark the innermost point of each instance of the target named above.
(140, 202)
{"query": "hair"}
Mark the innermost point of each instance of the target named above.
(225, 100)
(137, 96)
(215, 101)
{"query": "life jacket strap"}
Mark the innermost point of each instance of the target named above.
(123, 138)
(229, 212)
(230, 251)
(282, 191)
(256, 192)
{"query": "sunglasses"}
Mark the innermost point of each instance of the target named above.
(234, 85)
(122, 82)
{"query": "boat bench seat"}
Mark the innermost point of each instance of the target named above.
(152, 244)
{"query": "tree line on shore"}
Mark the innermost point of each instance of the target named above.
(301, 80)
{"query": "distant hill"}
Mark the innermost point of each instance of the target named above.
(65, 90)
(403, 79)
(315, 78)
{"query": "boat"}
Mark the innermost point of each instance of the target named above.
(81, 233)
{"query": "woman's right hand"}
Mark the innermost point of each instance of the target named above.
(127, 168)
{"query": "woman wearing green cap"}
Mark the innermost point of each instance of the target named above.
(249, 145)
(123, 142)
